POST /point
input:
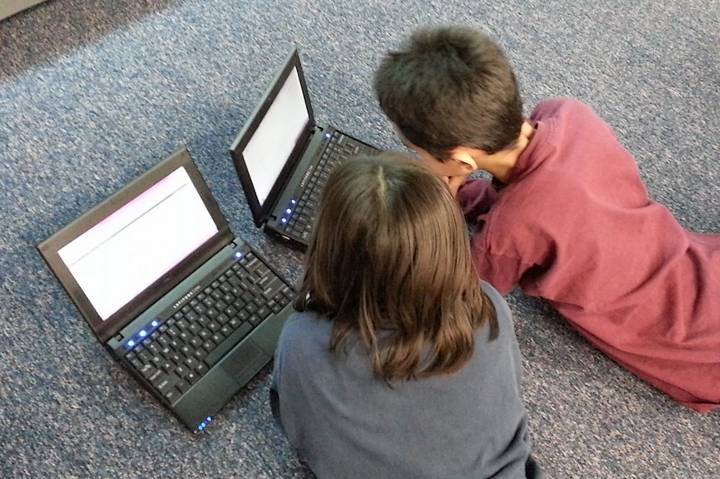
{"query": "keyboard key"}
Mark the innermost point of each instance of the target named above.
(167, 383)
(213, 326)
(157, 377)
(182, 386)
(147, 370)
(201, 369)
(145, 356)
(218, 338)
(263, 312)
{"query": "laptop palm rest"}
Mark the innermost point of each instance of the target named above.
(216, 388)
(242, 363)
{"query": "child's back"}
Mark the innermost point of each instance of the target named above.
(400, 364)
(574, 225)
(348, 423)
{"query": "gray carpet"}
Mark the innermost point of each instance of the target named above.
(94, 92)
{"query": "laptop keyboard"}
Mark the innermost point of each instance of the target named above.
(299, 220)
(187, 344)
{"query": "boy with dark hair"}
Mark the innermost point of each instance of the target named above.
(567, 216)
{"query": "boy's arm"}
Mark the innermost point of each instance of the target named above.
(476, 197)
(501, 271)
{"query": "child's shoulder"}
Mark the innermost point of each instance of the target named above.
(303, 327)
(565, 110)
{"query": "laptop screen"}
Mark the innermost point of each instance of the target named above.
(278, 132)
(118, 258)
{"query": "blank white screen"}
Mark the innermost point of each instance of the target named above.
(118, 258)
(276, 136)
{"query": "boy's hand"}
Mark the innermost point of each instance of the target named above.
(455, 182)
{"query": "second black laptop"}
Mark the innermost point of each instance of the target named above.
(283, 158)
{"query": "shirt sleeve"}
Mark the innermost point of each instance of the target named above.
(501, 271)
(476, 197)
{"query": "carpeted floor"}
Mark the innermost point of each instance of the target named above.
(94, 92)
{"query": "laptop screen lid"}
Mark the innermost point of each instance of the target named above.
(273, 139)
(126, 253)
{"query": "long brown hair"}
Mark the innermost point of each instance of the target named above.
(390, 259)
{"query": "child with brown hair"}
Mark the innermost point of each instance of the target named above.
(567, 216)
(400, 362)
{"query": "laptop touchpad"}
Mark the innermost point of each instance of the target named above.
(243, 362)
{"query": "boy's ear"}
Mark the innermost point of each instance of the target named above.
(462, 155)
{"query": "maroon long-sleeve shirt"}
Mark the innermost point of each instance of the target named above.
(574, 225)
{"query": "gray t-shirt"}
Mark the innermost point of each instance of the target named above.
(346, 423)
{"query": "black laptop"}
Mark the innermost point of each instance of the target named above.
(193, 312)
(283, 157)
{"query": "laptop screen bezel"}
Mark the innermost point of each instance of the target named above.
(106, 329)
(261, 212)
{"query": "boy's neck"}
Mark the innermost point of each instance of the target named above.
(501, 164)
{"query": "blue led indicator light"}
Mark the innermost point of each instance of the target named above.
(284, 220)
(293, 201)
(288, 211)
(238, 254)
(154, 324)
(208, 419)
(143, 333)
(327, 135)
(131, 343)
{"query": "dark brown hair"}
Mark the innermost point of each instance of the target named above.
(390, 259)
(451, 86)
